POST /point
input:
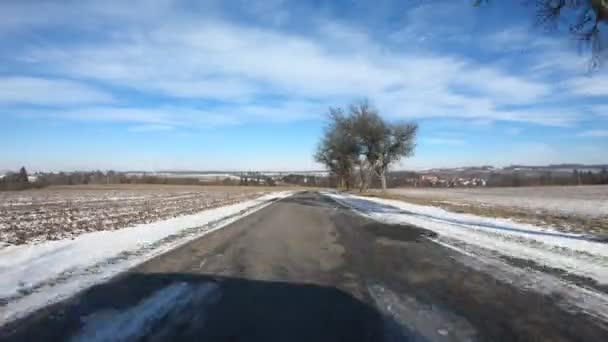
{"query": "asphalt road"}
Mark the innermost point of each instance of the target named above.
(307, 269)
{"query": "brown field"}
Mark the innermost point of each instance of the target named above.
(66, 211)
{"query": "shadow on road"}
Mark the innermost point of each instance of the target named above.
(196, 307)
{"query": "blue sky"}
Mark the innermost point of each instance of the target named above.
(240, 85)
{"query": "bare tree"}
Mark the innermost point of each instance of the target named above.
(338, 149)
(364, 143)
(588, 15)
(23, 176)
(364, 173)
(381, 143)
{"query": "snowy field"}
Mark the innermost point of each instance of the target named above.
(66, 212)
(572, 267)
(36, 274)
(589, 200)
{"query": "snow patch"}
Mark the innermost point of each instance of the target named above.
(578, 254)
(483, 243)
(584, 201)
(572, 297)
(35, 275)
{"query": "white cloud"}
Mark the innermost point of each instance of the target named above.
(600, 110)
(40, 91)
(514, 131)
(594, 133)
(158, 116)
(541, 53)
(526, 153)
(215, 59)
(511, 38)
(168, 65)
(503, 87)
(18, 16)
(164, 117)
(180, 58)
(538, 153)
(594, 85)
(181, 55)
(443, 141)
(217, 89)
(443, 104)
(151, 128)
(435, 21)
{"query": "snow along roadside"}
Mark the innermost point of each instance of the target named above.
(35, 275)
(574, 253)
(483, 243)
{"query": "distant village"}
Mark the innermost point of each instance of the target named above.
(426, 180)
(485, 176)
(511, 176)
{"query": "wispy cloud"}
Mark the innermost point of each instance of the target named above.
(514, 131)
(544, 154)
(151, 128)
(594, 133)
(594, 85)
(600, 110)
(185, 116)
(41, 91)
(214, 59)
(443, 141)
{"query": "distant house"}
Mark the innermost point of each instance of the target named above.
(429, 179)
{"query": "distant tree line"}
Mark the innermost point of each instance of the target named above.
(508, 177)
(359, 145)
(503, 178)
(21, 180)
(577, 177)
(252, 179)
(306, 180)
(17, 181)
(512, 178)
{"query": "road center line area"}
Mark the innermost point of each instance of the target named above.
(310, 267)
